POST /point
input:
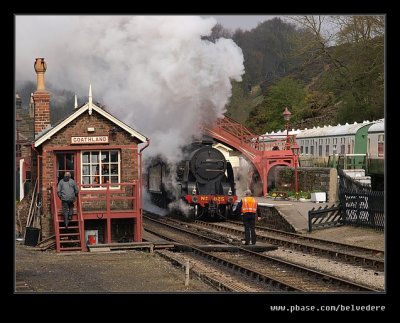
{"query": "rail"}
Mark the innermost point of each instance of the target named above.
(118, 197)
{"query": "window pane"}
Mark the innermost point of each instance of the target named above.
(105, 179)
(114, 156)
(105, 156)
(60, 161)
(94, 157)
(85, 180)
(380, 149)
(114, 179)
(85, 157)
(70, 161)
(95, 170)
(85, 170)
(105, 169)
(114, 169)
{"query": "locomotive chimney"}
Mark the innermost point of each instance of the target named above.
(41, 98)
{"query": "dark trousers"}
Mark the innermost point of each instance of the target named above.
(249, 221)
(67, 211)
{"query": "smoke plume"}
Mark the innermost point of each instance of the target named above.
(155, 73)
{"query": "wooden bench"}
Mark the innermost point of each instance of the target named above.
(281, 194)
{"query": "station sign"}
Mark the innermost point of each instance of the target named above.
(89, 140)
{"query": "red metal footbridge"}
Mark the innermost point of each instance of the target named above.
(263, 151)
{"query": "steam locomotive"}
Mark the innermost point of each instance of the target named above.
(203, 182)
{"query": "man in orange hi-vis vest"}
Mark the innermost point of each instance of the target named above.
(248, 209)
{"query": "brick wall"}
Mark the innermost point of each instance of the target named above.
(271, 218)
(78, 127)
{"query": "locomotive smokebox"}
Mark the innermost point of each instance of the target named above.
(207, 164)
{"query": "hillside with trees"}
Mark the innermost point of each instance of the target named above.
(61, 101)
(322, 79)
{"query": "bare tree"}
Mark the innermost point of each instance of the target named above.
(218, 31)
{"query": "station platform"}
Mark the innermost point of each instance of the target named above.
(294, 212)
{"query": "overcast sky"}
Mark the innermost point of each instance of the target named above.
(244, 22)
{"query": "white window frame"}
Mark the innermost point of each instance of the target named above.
(100, 175)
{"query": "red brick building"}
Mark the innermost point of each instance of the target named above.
(104, 159)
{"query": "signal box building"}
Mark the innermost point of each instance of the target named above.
(103, 156)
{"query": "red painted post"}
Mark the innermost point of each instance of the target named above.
(108, 213)
(295, 178)
(138, 222)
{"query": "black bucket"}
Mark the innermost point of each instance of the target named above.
(31, 236)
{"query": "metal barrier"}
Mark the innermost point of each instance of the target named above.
(324, 217)
(359, 204)
(363, 208)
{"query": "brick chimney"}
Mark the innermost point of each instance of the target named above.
(41, 98)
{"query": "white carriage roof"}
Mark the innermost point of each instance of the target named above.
(339, 130)
(280, 134)
(89, 106)
(379, 126)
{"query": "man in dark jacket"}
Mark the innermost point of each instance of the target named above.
(67, 190)
(247, 207)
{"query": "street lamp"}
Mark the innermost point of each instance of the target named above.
(295, 149)
(286, 116)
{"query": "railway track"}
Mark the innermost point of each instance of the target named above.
(261, 268)
(364, 257)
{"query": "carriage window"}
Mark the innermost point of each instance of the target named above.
(100, 167)
(381, 143)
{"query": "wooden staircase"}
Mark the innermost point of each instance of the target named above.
(69, 238)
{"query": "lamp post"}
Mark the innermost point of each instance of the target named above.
(295, 149)
(286, 115)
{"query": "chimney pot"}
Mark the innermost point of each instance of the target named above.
(40, 68)
(41, 98)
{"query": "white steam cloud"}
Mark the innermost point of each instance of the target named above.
(155, 73)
